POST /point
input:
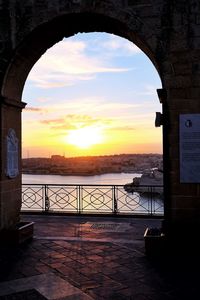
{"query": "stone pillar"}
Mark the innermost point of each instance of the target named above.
(184, 195)
(10, 158)
(182, 206)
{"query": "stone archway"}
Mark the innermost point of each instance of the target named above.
(168, 32)
(25, 56)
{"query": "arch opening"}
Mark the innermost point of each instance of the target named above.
(97, 83)
(89, 118)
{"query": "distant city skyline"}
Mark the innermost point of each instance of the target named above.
(91, 94)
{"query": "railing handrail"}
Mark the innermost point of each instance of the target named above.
(87, 184)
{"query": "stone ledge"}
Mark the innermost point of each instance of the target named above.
(22, 232)
(154, 242)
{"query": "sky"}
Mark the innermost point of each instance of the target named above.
(91, 94)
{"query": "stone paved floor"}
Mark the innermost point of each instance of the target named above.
(94, 258)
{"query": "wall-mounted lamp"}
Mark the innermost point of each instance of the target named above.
(162, 95)
(159, 119)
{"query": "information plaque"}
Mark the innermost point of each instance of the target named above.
(189, 148)
(12, 168)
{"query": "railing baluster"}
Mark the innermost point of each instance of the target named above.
(79, 199)
(43, 197)
(115, 200)
(47, 204)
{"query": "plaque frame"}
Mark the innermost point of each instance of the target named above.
(12, 152)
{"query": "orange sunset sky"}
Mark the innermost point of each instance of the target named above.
(91, 94)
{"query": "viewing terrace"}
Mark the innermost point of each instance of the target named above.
(93, 258)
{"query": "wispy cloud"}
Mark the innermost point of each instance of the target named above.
(149, 90)
(120, 46)
(122, 128)
(67, 63)
(88, 111)
(73, 121)
(33, 109)
(38, 110)
(81, 105)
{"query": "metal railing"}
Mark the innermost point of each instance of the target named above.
(100, 199)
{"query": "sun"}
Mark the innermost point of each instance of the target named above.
(85, 137)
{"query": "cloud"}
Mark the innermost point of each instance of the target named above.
(73, 121)
(63, 125)
(32, 109)
(59, 118)
(53, 121)
(120, 46)
(67, 63)
(123, 128)
(149, 90)
(87, 111)
(82, 105)
(72, 118)
(58, 124)
(37, 112)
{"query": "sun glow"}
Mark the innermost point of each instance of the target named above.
(85, 137)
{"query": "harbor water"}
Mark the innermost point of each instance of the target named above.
(88, 194)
